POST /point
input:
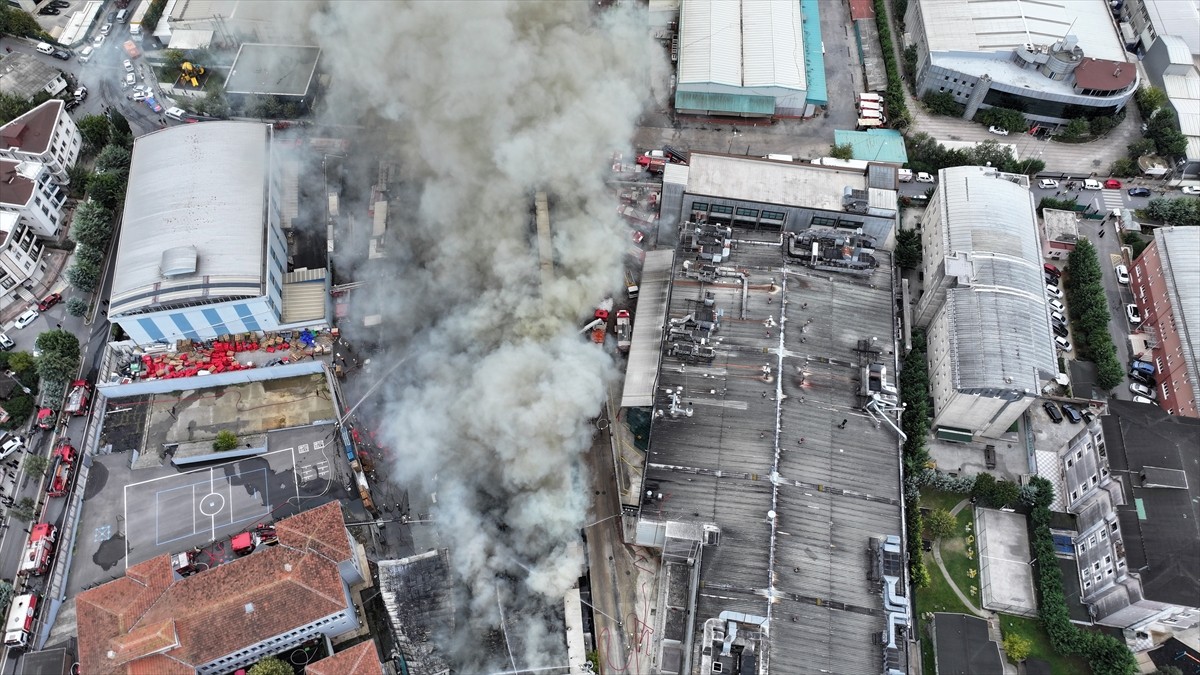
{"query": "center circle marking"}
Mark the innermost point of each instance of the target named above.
(212, 503)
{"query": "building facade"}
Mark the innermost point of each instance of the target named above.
(1172, 66)
(1165, 281)
(20, 255)
(989, 345)
(1060, 233)
(985, 60)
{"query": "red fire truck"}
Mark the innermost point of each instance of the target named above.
(79, 398)
(41, 546)
(63, 465)
(19, 627)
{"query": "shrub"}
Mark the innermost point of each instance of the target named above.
(843, 151)
(226, 440)
(894, 96)
(942, 103)
(940, 523)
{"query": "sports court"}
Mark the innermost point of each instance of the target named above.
(193, 508)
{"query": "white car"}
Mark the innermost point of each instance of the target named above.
(1140, 389)
(27, 318)
(98, 41)
(130, 78)
(1048, 184)
(998, 131)
(1191, 190)
(11, 445)
(140, 96)
(1062, 343)
(1054, 292)
(1143, 399)
(106, 29)
(128, 66)
(1090, 184)
(1057, 306)
(923, 177)
(1058, 316)
(1122, 274)
(1131, 313)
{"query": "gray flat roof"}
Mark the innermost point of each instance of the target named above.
(280, 70)
(642, 370)
(833, 488)
(964, 646)
(762, 180)
(198, 185)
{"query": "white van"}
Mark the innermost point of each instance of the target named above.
(45, 48)
(1091, 184)
(905, 175)
(175, 113)
(85, 54)
(122, 16)
(923, 177)
(870, 114)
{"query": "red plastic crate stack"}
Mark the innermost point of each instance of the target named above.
(219, 359)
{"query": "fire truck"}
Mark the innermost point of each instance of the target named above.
(19, 627)
(41, 546)
(62, 466)
(79, 398)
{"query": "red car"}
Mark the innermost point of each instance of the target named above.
(1112, 184)
(49, 301)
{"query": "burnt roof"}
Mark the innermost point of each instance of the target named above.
(1104, 75)
(1147, 448)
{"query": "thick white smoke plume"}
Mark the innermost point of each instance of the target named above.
(487, 102)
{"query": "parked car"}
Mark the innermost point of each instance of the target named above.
(85, 54)
(1112, 184)
(1139, 192)
(1191, 189)
(1142, 390)
(72, 104)
(998, 131)
(1054, 291)
(923, 177)
(1131, 313)
(61, 4)
(1048, 184)
(49, 301)
(6, 342)
(61, 54)
(1072, 413)
(130, 78)
(106, 29)
(1058, 316)
(48, 11)
(98, 40)
(1092, 184)
(1122, 274)
(152, 104)
(1051, 269)
(1139, 376)
(1144, 366)
(1060, 329)
(1052, 411)
(1062, 343)
(81, 94)
(1143, 399)
(128, 66)
(1050, 280)
(29, 316)
(1056, 306)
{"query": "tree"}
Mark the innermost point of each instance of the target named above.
(271, 666)
(78, 175)
(844, 151)
(77, 307)
(908, 249)
(113, 159)
(1142, 146)
(19, 408)
(35, 465)
(1005, 118)
(95, 130)
(1124, 168)
(120, 125)
(226, 440)
(92, 225)
(1168, 670)
(1149, 99)
(24, 510)
(59, 341)
(19, 24)
(174, 60)
(940, 523)
(83, 276)
(1077, 128)
(1101, 125)
(91, 255)
(108, 189)
(942, 103)
(1134, 241)
(54, 367)
(1017, 647)
(6, 593)
(20, 362)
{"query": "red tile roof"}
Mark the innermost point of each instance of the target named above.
(861, 9)
(218, 611)
(32, 131)
(361, 659)
(1104, 75)
(17, 189)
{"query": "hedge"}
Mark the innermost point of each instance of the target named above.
(894, 97)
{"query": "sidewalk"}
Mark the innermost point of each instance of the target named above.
(22, 298)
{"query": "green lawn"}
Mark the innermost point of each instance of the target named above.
(1032, 630)
(938, 597)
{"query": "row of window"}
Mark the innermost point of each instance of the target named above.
(720, 209)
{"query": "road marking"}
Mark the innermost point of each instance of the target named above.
(231, 500)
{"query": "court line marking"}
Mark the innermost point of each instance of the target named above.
(266, 507)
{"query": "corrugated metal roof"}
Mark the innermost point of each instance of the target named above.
(1000, 335)
(1179, 248)
(1181, 17)
(772, 45)
(710, 42)
(814, 53)
(999, 25)
(200, 185)
(642, 371)
(1177, 49)
(741, 104)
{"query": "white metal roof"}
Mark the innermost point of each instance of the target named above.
(198, 185)
(710, 42)
(772, 45)
(761, 180)
(1178, 17)
(1002, 25)
(1178, 51)
(1183, 91)
(742, 43)
(646, 345)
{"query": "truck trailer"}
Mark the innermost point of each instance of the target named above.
(39, 550)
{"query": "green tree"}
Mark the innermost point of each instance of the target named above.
(1077, 128)
(20, 362)
(174, 61)
(844, 151)
(90, 254)
(1017, 647)
(113, 159)
(19, 408)
(908, 249)
(942, 103)
(58, 340)
(95, 130)
(83, 276)
(35, 464)
(19, 24)
(1005, 118)
(1098, 126)
(92, 225)
(1136, 242)
(1168, 670)
(1124, 168)
(108, 189)
(24, 510)
(271, 666)
(1142, 146)
(940, 523)
(78, 176)
(120, 125)
(54, 367)
(6, 593)
(1149, 99)
(77, 307)
(226, 440)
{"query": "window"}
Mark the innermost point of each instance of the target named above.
(748, 213)
(1096, 566)
(718, 208)
(822, 221)
(1074, 495)
(1070, 462)
(1107, 559)
(773, 215)
(699, 206)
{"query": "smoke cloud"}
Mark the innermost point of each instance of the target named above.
(486, 103)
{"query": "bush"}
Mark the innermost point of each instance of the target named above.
(1060, 204)
(1005, 118)
(894, 96)
(1149, 100)
(1017, 647)
(1180, 211)
(844, 151)
(940, 523)
(942, 103)
(1124, 168)
(226, 440)
(271, 666)
(908, 249)
(1088, 306)
(92, 225)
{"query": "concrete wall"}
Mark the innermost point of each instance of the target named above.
(147, 387)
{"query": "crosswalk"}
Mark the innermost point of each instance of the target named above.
(1112, 200)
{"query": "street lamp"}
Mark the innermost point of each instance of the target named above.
(13, 375)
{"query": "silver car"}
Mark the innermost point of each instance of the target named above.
(27, 318)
